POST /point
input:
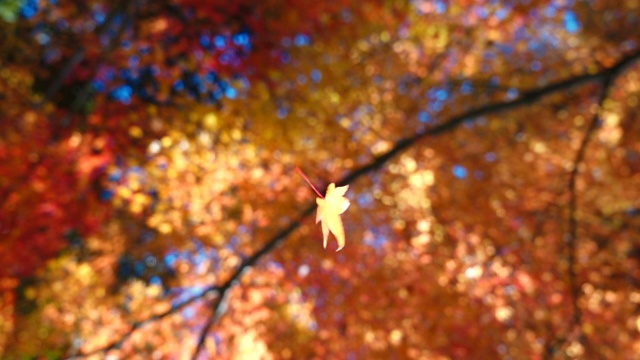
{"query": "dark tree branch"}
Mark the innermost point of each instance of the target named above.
(404, 144)
(575, 287)
(219, 310)
(79, 99)
(77, 58)
(114, 41)
(221, 304)
(527, 98)
(71, 64)
(571, 239)
(175, 308)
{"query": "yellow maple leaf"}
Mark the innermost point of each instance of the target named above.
(329, 210)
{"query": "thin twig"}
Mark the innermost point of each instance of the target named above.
(574, 284)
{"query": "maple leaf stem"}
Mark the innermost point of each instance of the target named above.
(308, 182)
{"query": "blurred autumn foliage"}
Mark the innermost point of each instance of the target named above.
(149, 207)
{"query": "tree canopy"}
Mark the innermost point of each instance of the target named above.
(151, 204)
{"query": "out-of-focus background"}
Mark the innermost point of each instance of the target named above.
(150, 206)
